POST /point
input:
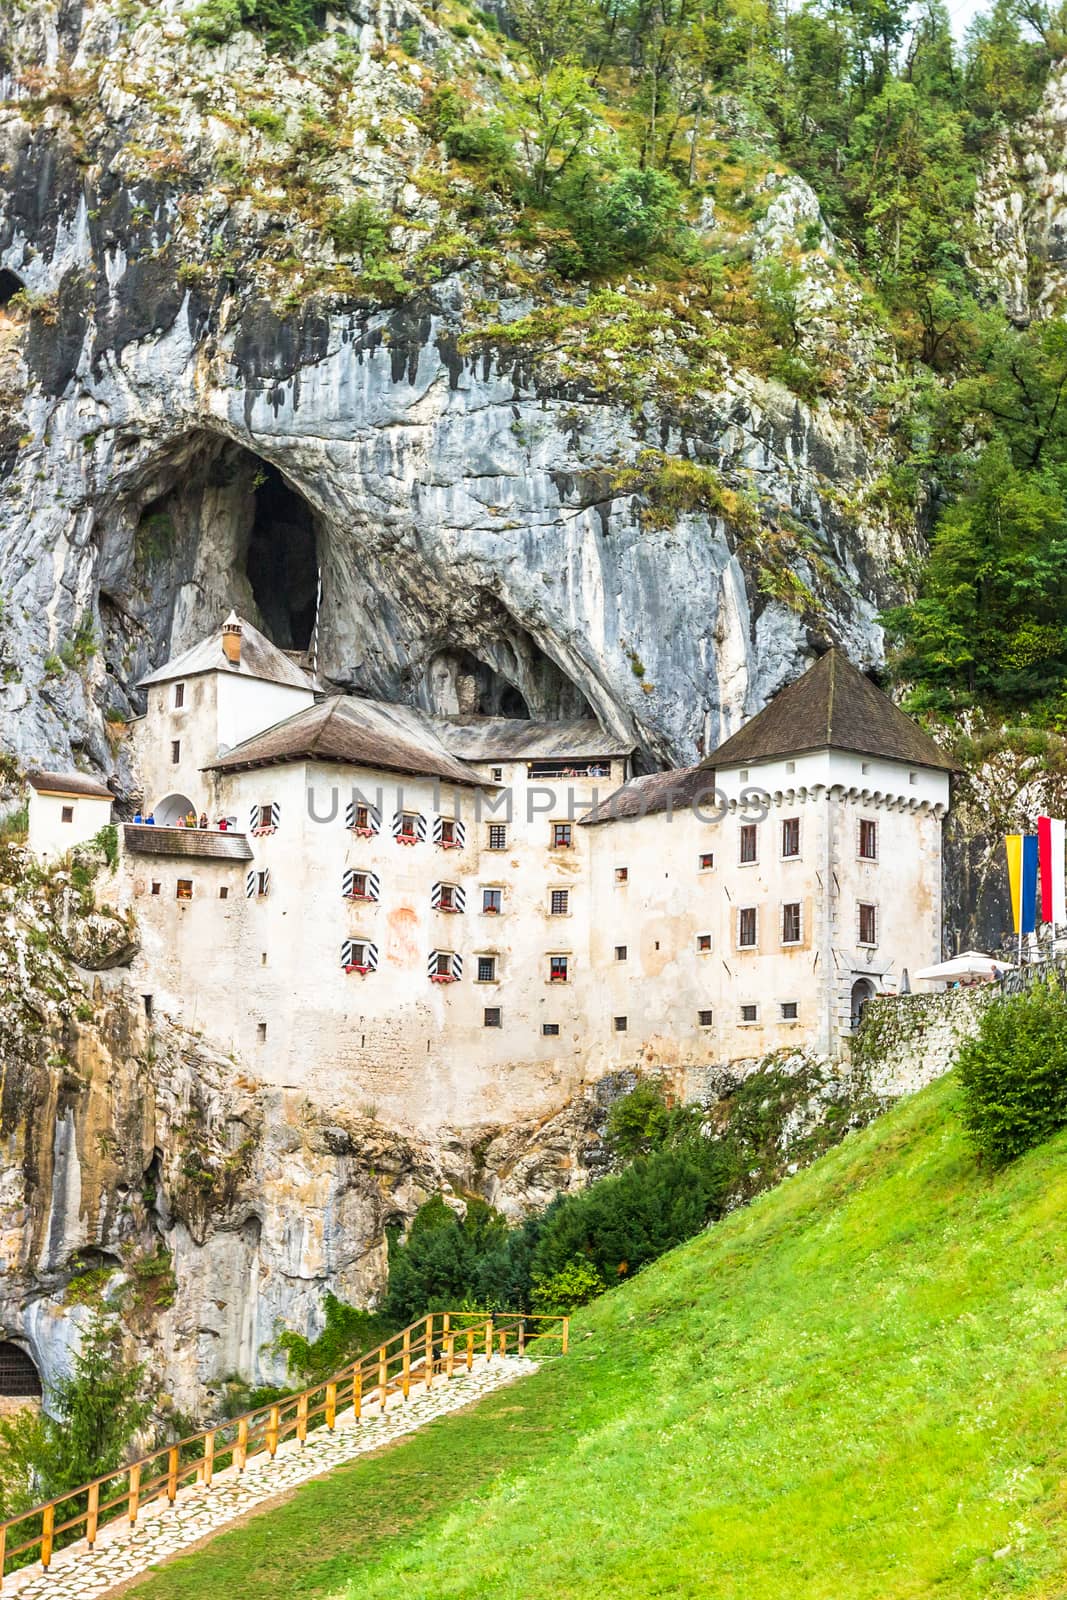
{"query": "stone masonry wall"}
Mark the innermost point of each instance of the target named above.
(909, 1040)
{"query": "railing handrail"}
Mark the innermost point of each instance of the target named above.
(415, 1343)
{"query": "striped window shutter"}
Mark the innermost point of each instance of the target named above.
(374, 817)
(370, 954)
(457, 965)
(374, 887)
(348, 881)
(435, 896)
(250, 885)
(460, 898)
(275, 814)
(420, 827)
(253, 819)
(461, 833)
(398, 817)
(431, 963)
(438, 828)
(265, 886)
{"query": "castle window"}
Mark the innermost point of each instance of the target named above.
(257, 883)
(445, 966)
(179, 696)
(913, 777)
(620, 952)
(791, 922)
(449, 833)
(703, 941)
(865, 767)
(790, 838)
(622, 874)
(746, 927)
(705, 1018)
(448, 897)
(359, 955)
(224, 892)
(748, 844)
(550, 1030)
(491, 1017)
(156, 887)
(790, 1010)
(562, 836)
(175, 751)
(707, 861)
(559, 903)
(498, 836)
(264, 818)
(498, 774)
(620, 1024)
(868, 840)
(66, 814)
(362, 818)
(492, 901)
(868, 924)
(408, 827)
(749, 1014)
(558, 969)
(261, 1032)
(185, 889)
(487, 969)
(790, 766)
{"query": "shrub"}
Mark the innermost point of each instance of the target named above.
(1014, 1074)
(481, 142)
(347, 1334)
(285, 24)
(358, 228)
(572, 1286)
(437, 1267)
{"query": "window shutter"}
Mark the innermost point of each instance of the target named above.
(420, 827)
(438, 829)
(457, 966)
(461, 833)
(374, 887)
(375, 817)
(431, 965)
(350, 814)
(250, 885)
(275, 814)
(435, 897)
(266, 881)
(346, 953)
(253, 819)
(398, 817)
(460, 898)
(370, 952)
(348, 881)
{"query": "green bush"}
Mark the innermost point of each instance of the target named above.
(359, 229)
(285, 24)
(348, 1333)
(572, 1286)
(482, 142)
(1014, 1074)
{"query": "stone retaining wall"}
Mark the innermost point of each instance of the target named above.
(908, 1040)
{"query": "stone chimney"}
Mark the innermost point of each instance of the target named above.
(231, 639)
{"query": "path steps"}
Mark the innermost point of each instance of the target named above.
(163, 1530)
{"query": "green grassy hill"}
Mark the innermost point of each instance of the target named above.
(853, 1388)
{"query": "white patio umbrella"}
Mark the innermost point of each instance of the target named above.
(971, 964)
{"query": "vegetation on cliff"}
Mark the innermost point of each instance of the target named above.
(855, 1381)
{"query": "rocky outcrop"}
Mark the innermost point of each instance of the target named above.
(1021, 211)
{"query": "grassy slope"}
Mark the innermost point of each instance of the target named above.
(854, 1388)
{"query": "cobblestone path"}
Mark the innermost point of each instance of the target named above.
(163, 1530)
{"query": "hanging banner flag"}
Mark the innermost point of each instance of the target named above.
(1058, 830)
(1029, 884)
(1044, 859)
(1013, 844)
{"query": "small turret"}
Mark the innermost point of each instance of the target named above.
(231, 639)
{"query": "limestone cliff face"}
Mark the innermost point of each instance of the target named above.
(1021, 211)
(200, 360)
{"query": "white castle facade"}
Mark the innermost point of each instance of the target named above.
(460, 921)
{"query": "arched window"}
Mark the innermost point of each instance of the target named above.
(170, 808)
(19, 1377)
(862, 993)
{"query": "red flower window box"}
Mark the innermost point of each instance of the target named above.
(449, 844)
(355, 967)
(558, 977)
(406, 838)
(355, 896)
(364, 833)
(261, 833)
(452, 910)
(491, 911)
(441, 977)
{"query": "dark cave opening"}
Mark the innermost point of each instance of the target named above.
(10, 285)
(518, 680)
(19, 1378)
(283, 561)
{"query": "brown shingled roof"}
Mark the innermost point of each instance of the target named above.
(656, 791)
(259, 659)
(71, 783)
(362, 733)
(832, 707)
(142, 839)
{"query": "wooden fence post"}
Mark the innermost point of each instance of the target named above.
(48, 1519)
(428, 1364)
(522, 1336)
(405, 1376)
(470, 1348)
(272, 1430)
(3, 1554)
(240, 1449)
(450, 1353)
(566, 1334)
(383, 1377)
(172, 1473)
(489, 1340)
(92, 1518)
(133, 1504)
(302, 1418)
(357, 1394)
(209, 1457)
(331, 1406)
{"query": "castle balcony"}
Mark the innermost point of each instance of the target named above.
(206, 844)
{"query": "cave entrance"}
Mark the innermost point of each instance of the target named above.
(283, 561)
(19, 1378)
(517, 681)
(10, 286)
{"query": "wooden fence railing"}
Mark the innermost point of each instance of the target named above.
(435, 1347)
